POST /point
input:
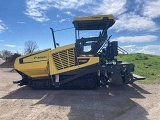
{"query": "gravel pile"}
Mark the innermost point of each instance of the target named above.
(10, 62)
(1, 61)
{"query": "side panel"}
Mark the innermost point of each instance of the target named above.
(54, 71)
(34, 64)
(63, 60)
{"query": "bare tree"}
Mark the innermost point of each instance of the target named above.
(5, 54)
(30, 46)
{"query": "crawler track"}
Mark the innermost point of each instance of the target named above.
(88, 81)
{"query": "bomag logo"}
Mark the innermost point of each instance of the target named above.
(96, 17)
(40, 57)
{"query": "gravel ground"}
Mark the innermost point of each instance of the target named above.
(130, 102)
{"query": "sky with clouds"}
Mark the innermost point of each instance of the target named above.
(137, 27)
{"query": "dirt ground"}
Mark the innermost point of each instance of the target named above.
(130, 102)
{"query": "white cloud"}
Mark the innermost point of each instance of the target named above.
(148, 49)
(20, 22)
(57, 16)
(69, 13)
(133, 22)
(151, 8)
(36, 9)
(63, 20)
(129, 48)
(69, 4)
(3, 27)
(10, 45)
(114, 7)
(136, 39)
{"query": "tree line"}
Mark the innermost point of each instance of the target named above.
(29, 47)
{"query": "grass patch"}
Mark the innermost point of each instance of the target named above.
(145, 65)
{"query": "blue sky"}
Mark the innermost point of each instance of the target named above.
(137, 26)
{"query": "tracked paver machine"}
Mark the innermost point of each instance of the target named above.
(87, 64)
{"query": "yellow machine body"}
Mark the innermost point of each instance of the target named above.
(51, 62)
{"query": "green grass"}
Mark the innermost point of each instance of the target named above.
(145, 65)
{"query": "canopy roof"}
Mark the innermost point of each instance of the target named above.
(93, 22)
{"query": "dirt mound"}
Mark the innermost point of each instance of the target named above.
(1, 61)
(10, 62)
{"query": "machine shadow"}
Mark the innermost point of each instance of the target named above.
(26, 92)
(103, 103)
